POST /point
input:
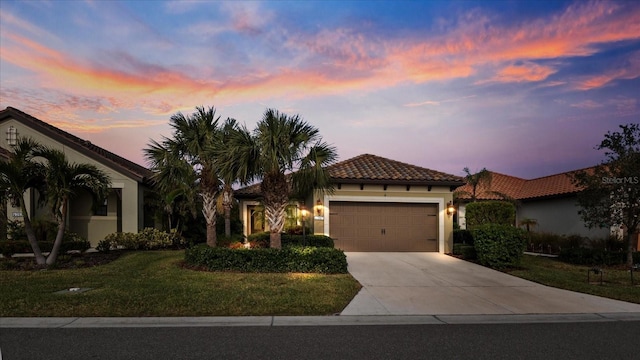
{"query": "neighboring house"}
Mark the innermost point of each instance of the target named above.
(122, 211)
(550, 200)
(378, 205)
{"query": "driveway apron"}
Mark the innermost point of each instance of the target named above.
(437, 284)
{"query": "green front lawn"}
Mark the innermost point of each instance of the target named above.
(154, 284)
(551, 272)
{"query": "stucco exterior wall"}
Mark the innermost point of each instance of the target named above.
(132, 215)
(558, 216)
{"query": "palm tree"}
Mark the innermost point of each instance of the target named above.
(182, 161)
(279, 145)
(227, 163)
(481, 178)
(64, 181)
(18, 175)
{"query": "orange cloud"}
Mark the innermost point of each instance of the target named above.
(627, 70)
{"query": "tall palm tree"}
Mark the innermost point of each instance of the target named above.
(64, 181)
(18, 175)
(280, 145)
(183, 161)
(228, 165)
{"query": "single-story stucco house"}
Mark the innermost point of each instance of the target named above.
(123, 211)
(378, 205)
(550, 200)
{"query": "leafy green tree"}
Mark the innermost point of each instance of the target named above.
(17, 176)
(610, 193)
(64, 181)
(183, 162)
(290, 158)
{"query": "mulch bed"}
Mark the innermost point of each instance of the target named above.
(67, 261)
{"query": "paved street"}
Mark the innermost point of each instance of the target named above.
(589, 340)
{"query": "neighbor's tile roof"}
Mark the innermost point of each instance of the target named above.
(372, 169)
(522, 189)
(107, 158)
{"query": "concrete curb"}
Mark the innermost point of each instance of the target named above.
(344, 320)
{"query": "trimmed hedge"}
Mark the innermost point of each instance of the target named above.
(10, 247)
(468, 252)
(490, 212)
(290, 259)
(499, 246)
(292, 239)
(587, 256)
(147, 239)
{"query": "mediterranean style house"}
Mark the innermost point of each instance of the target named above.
(550, 200)
(123, 211)
(378, 204)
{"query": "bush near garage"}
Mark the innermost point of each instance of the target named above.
(292, 239)
(490, 212)
(462, 236)
(288, 259)
(499, 246)
(467, 252)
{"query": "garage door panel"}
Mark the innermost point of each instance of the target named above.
(362, 226)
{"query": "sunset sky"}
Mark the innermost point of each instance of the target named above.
(525, 88)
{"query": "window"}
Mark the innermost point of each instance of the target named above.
(102, 209)
(12, 136)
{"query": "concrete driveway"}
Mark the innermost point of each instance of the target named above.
(438, 284)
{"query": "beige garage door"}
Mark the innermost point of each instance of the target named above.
(367, 226)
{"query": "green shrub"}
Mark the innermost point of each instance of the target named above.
(292, 239)
(311, 240)
(290, 259)
(490, 212)
(71, 242)
(468, 252)
(589, 256)
(147, 239)
(499, 246)
(462, 236)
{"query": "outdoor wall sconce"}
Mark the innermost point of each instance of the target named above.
(450, 208)
(12, 136)
(319, 209)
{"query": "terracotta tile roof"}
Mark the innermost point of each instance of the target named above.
(522, 189)
(500, 183)
(105, 157)
(369, 168)
(372, 169)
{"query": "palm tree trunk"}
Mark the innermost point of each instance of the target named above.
(31, 235)
(209, 212)
(275, 216)
(226, 203)
(62, 222)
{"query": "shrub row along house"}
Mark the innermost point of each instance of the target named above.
(122, 211)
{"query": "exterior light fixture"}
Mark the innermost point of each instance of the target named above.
(12, 136)
(450, 208)
(319, 209)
